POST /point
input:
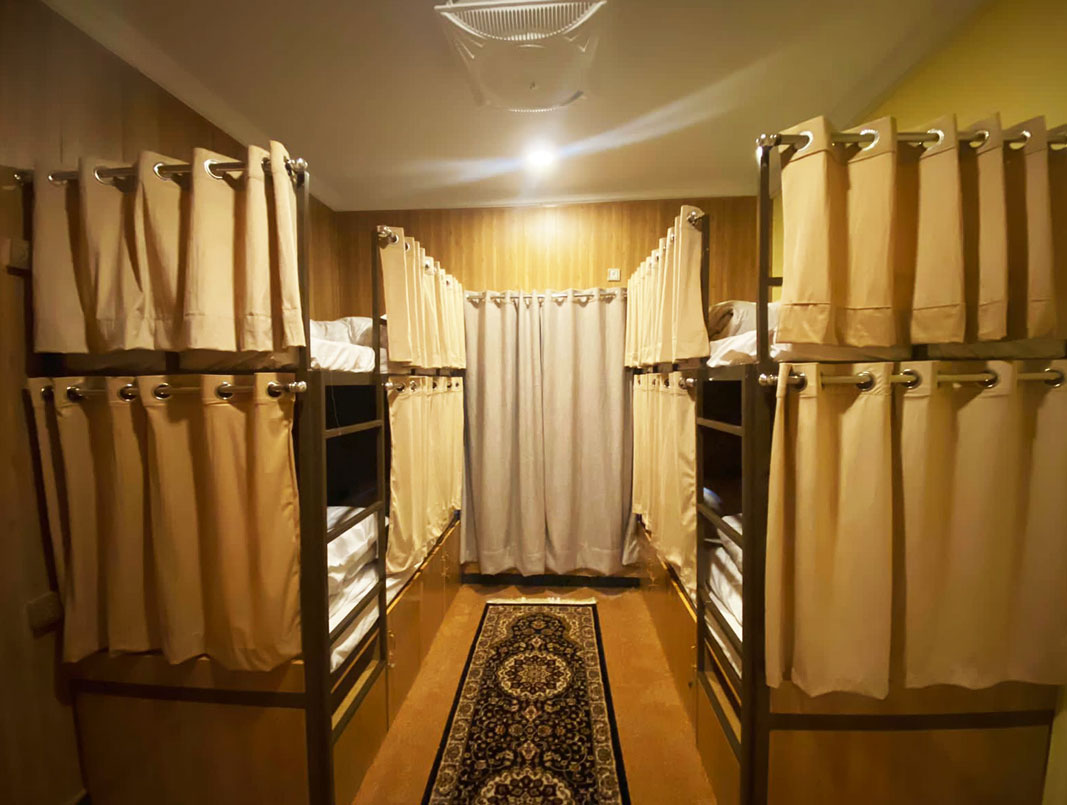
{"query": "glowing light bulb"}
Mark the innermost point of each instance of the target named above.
(541, 159)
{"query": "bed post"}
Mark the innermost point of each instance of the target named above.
(311, 466)
(381, 414)
(757, 411)
(702, 378)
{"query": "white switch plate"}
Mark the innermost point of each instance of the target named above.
(614, 275)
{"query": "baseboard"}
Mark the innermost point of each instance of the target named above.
(550, 580)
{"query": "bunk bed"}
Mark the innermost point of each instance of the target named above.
(307, 730)
(762, 744)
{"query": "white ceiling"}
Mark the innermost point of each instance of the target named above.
(370, 94)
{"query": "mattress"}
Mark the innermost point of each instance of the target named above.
(345, 345)
(363, 624)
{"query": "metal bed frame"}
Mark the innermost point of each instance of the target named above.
(324, 692)
(748, 693)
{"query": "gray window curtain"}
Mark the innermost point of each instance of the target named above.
(549, 439)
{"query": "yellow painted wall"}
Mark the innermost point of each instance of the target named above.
(1010, 58)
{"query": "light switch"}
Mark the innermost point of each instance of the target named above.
(614, 275)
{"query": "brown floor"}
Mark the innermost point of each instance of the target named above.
(658, 743)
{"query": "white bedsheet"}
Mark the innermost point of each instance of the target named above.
(340, 356)
(365, 622)
(348, 553)
(741, 348)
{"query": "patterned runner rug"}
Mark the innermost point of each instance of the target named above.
(532, 721)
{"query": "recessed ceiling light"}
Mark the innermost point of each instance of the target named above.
(541, 158)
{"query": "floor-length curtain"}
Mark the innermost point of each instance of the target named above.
(587, 411)
(173, 510)
(829, 533)
(984, 505)
(504, 494)
(548, 434)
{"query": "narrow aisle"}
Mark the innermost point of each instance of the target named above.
(658, 744)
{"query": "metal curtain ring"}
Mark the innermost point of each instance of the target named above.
(940, 137)
(162, 391)
(801, 380)
(155, 170)
(915, 381)
(1055, 378)
(128, 393)
(1026, 135)
(209, 165)
(57, 182)
(810, 137)
(75, 394)
(412, 385)
(991, 381)
(983, 138)
(872, 143)
(407, 247)
(275, 389)
(224, 390)
(867, 382)
(101, 179)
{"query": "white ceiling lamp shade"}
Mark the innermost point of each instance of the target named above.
(525, 56)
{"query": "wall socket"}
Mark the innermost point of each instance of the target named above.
(614, 275)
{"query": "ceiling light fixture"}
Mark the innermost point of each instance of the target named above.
(530, 56)
(541, 159)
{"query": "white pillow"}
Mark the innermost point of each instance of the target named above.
(330, 330)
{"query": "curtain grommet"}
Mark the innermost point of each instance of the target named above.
(209, 169)
(1026, 135)
(75, 394)
(1055, 377)
(807, 135)
(101, 179)
(940, 138)
(155, 170)
(799, 380)
(867, 381)
(979, 138)
(990, 381)
(128, 393)
(162, 391)
(914, 379)
(224, 391)
(275, 389)
(872, 143)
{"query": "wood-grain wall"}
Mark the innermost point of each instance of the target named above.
(569, 246)
(63, 96)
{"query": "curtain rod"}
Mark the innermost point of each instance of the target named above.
(164, 391)
(910, 379)
(605, 293)
(215, 168)
(869, 137)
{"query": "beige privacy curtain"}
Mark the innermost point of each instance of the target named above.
(829, 534)
(504, 504)
(548, 434)
(984, 487)
(664, 469)
(175, 517)
(892, 243)
(965, 482)
(664, 320)
(203, 262)
(426, 467)
(586, 406)
(424, 305)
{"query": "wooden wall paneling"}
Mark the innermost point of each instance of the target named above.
(977, 767)
(198, 752)
(570, 246)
